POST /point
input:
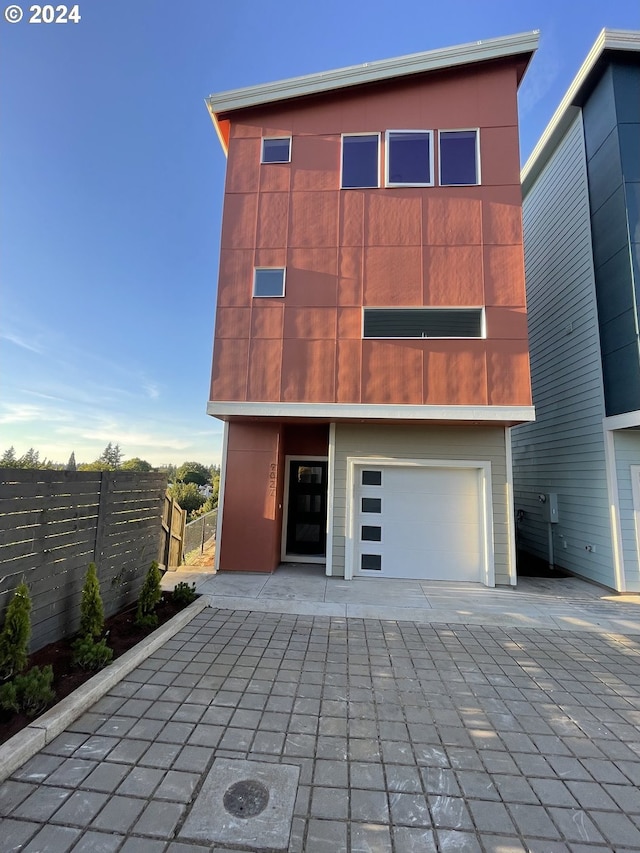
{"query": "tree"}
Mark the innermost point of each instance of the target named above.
(15, 634)
(169, 470)
(111, 456)
(194, 477)
(187, 495)
(8, 459)
(191, 468)
(136, 464)
(91, 609)
(71, 464)
(31, 460)
(150, 595)
(109, 460)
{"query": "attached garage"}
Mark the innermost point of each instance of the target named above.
(420, 519)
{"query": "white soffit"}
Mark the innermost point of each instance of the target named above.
(371, 411)
(624, 40)
(372, 72)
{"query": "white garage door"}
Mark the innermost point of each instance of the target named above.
(418, 522)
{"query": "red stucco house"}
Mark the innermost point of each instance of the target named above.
(371, 345)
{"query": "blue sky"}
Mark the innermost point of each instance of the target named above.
(112, 180)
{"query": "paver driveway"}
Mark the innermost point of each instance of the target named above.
(409, 738)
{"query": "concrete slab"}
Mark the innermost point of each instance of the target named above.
(269, 829)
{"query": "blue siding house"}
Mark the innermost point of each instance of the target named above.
(577, 468)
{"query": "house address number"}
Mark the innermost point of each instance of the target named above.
(273, 476)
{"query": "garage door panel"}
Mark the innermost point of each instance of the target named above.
(441, 565)
(424, 510)
(429, 480)
(448, 536)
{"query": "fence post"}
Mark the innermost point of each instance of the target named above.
(101, 524)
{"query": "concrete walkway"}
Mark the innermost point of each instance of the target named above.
(563, 602)
(369, 734)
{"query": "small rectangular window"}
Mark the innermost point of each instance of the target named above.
(268, 281)
(409, 158)
(423, 323)
(371, 504)
(276, 149)
(372, 478)
(459, 158)
(360, 161)
(371, 562)
(370, 533)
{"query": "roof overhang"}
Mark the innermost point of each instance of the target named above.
(607, 41)
(222, 103)
(372, 413)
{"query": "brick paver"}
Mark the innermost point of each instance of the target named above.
(409, 737)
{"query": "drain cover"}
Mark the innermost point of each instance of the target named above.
(244, 805)
(246, 798)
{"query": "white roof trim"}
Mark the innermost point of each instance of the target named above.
(365, 411)
(567, 110)
(370, 72)
(628, 420)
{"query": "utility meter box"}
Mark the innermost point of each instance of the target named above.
(550, 508)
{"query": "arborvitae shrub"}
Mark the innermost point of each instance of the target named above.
(15, 634)
(150, 595)
(91, 609)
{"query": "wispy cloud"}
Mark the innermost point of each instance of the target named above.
(22, 342)
(151, 390)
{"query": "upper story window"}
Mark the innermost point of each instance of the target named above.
(409, 158)
(276, 149)
(423, 323)
(459, 157)
(360, 160)
(268, 281)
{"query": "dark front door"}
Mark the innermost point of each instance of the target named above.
(307, 509)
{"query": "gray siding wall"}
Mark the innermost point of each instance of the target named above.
(423, 442)
(563, 451)
(627, 447)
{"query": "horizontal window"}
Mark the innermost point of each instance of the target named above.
(423, 323)
(371, 562)
(372, 478)
(409, 158)
(459, 157)
(276, 149)
(268, 281)
(360, 161)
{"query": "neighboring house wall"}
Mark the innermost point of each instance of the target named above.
(423, 442)
(627, 450)
(612, 138)
(563, 451)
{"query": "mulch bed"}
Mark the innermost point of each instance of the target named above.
(123, 634)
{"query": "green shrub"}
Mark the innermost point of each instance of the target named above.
(34, 690)
(150, 595)
(91, 654)
(15, 634)
(91, 609)
(184, 593)
(9, 697)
